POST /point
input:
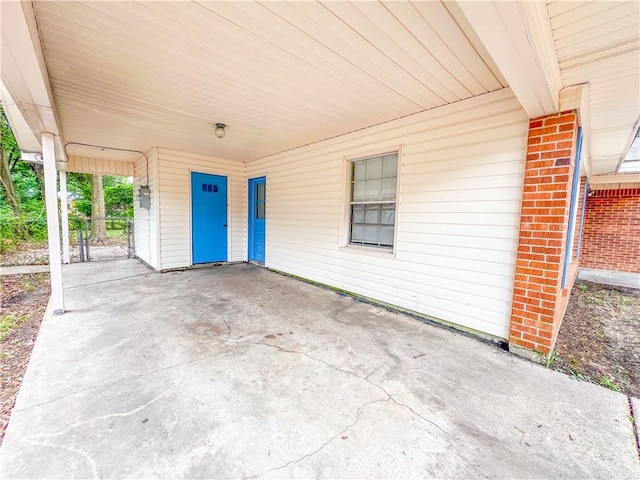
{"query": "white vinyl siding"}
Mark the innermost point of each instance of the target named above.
(458, 212)
(100, 166)
(174, 174)
(145, 220)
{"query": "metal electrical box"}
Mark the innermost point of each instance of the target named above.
(144, 195)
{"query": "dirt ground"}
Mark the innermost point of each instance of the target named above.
(599, 340)
(23, 300)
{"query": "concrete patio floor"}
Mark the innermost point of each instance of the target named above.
(239, 372)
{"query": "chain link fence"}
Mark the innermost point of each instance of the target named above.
(90, 239)
(97, 239)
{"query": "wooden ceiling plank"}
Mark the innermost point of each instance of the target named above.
(429, 39)
(391, 34)
(388, 51)
(352, 46)
(454, 30)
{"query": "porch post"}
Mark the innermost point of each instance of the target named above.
(539, 296)
(64, 211)
(53, 225)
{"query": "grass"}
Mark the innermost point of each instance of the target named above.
(8, 323)
(608, 383)
(34, 282)
(550, 359)
(115, 233)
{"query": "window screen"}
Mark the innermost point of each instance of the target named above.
(372, 216)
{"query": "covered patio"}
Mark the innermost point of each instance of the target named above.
(237, 371)
(427, 155)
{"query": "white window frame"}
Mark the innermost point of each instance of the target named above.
(345, 225)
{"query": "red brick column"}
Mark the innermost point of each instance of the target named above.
(539, 300)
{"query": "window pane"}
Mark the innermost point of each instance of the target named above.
(373, 180)
(374, 168)
(390, 168)
(260, 210)
(388, 214)
(386, 236)
(358, 192)
(358, 170)
(373, 214)
(260, 191)
(357, 213)
(357, 233)
(372, 190)
(389, 189)
(371, 234)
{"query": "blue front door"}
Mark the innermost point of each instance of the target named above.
(208, 217)
(257, 218)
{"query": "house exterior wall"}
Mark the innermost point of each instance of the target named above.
(145, 220)
(174, 181)
(611, 234)
(460, 191)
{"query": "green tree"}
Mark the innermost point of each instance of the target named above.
(9, 155)
(118, 198)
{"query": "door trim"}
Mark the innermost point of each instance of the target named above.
(250, 214)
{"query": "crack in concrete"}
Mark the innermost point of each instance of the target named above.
(376, 370)
(319, 449)
(228, 329)
(635, 421)
(389, 398)
(90, 461)
(103, 385)
(444, 432)
(315, 359)
(34, 439)
(110, 280)
(100, 417)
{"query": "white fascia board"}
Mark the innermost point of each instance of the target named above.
(576, 97)
(519, 39)
(27, 141)
(620, 178)
(24, 76)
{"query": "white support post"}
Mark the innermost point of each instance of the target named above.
(53, 225)
(64, 212)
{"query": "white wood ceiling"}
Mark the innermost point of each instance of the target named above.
(599, 43)
(280, 75)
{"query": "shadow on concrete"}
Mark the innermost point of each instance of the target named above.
(236, 371)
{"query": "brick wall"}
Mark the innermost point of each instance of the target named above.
(539, 300)
(611, 232)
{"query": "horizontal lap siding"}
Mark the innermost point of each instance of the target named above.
(145, 219)
(175, 205)
(459, 207)
(100, 166)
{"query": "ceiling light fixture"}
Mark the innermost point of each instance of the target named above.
(220, 131)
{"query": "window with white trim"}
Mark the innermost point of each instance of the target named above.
(372, 198)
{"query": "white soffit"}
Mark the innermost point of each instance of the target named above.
(280, 75)
(518, 37)
(599, 43)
